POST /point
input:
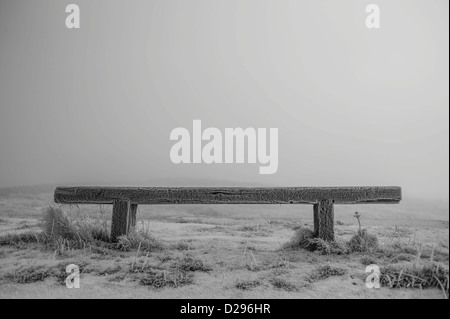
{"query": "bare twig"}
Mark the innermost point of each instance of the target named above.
(442, 287)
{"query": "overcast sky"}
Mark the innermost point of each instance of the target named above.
(353, 106)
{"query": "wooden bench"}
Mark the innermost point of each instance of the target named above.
(126, 199)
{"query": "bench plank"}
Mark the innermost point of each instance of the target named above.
(227, 195)
(126, 199)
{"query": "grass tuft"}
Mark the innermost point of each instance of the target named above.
(138, 240)
(301, 239)
(325, 247)
(424, 274)
(368, 260)
(28, 275)
(21, 239)
(282, 284)
(192, 264)
(75, 233)
(362, 242)
(327, 271)
(181, 246)
(304, 239)
(161, 279)
(247, 284)
(56, 224)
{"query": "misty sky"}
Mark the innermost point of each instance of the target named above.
(353, 106)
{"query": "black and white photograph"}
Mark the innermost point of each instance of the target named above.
(221, 157)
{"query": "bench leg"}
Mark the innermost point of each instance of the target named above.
(123, 218)
(132, 217)
(324, 220)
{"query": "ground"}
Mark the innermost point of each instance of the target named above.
(228, 251)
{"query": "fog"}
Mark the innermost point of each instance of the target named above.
(353, 106)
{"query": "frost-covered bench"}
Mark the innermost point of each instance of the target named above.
(126, 199)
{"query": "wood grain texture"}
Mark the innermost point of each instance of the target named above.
(325, 222)
(227, 195)
(120, 216)
(316, 219)
(132, 216)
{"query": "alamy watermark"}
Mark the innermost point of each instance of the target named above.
(212, 146)
(373, 279)
(372, 20)
(73, 280)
